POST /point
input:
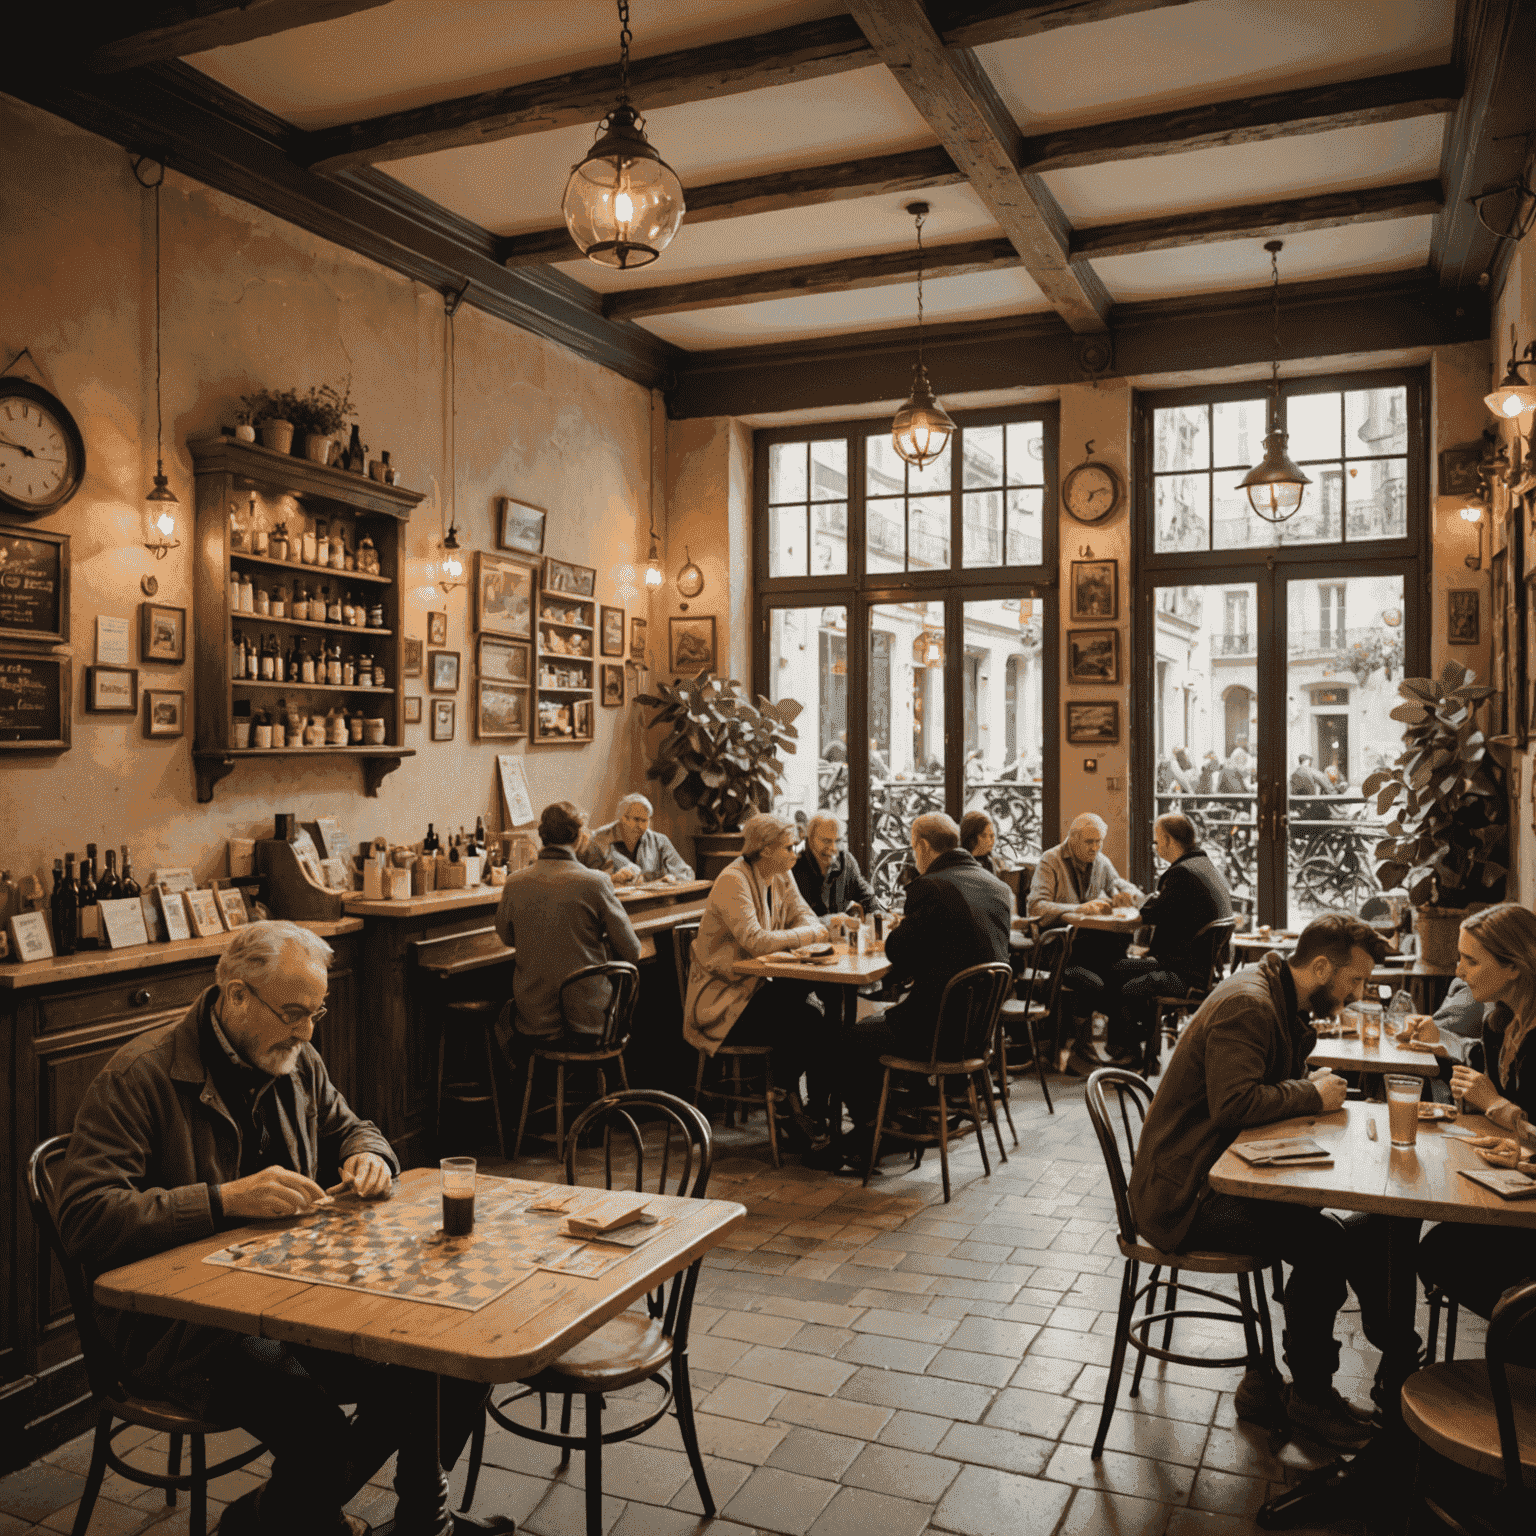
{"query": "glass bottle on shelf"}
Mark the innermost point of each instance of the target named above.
(280, 542)
(107, 887)
(348, 671)
(347, 610)
(268, 669)
(365, 671)
(294, 662)
(300, 602)
(237, 659)
(332, 606)
(89, 913)
(333, 666)
(338, 549)
(234, 591)
(236, 529)
(64, 906)
(306, 667)
(279, 602)
(378, 673)
(355, 729)
(376, 614)
(263, 601)
(307, 545)
(247, 594)
(128, 886)
(367, 556)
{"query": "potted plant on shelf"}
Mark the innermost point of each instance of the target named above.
(720, 757)
(1446, 843)
(319, 417)
(270, 411)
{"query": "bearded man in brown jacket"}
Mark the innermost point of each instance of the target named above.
(1241, 1062)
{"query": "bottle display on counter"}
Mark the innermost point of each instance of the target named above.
(430, 844)
(107, 888)
(127, 885)
(89, 914)
(480, 835)
(65, 907)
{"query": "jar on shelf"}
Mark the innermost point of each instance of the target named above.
(259, 542)
(338, 559)
(376, 614)
(347, 610)
(365, 672)
(378, 675)
(263, 601)
(247, 594)
(367, 556)
(355, 729)
(335, 729)
(314, 732)
(234, 591)
(236, 529)
(280, 542)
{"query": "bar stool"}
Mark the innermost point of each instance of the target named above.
(609, 1043)
(470, 1022)
(735, 1086)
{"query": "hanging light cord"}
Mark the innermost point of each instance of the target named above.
(920, 218)
(156, 184)
(453, 419)
(625, 38)
(1274, 365)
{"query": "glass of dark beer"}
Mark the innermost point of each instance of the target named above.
(458, 1196)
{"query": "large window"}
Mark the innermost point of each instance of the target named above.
(1268, 655)
(911, 613)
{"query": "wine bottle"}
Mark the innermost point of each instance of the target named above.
(107, 888)
(480, 835)
(429, 843)
(127, 885)
(453, 851)
(89, 912)
(66, 908)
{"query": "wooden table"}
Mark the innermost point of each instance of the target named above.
(1349, 1053)
(849, 971)
(1126, 920)
(508, 1339)
(1406, 1185)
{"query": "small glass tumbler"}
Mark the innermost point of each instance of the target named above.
(1403, 1094)
(458, 1196)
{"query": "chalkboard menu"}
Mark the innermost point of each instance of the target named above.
(34, 702)
(34, 585)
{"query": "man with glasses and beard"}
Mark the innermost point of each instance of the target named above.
(224, 1117)
(1240, 1062)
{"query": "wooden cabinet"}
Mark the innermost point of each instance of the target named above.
(242, 488)
(565, 677)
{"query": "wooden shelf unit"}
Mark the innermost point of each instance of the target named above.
(576, 693)
(227, 473)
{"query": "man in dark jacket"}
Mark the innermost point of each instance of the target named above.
(195, 1128)
(956, 916)
(829, 877)
(1241, 1062)
(1190, 894)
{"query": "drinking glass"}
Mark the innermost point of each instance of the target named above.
(458, 1196)
(1403, 1094)
(1370, 1023)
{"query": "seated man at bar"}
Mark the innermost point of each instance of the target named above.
(1241, 1062)
(827, 874)
(755, 908)
(636, 852)
(560, 916)
(956, 916)
(224, 1117)
(1077, 876)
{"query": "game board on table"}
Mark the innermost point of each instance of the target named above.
(397, 1247)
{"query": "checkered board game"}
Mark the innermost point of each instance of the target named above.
(397, 1248)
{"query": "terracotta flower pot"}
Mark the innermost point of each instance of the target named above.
(714, 850)
(276, 435)
(318, 448)
(1436, 929)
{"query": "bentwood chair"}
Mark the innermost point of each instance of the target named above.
(1481, 1416)
(1118, 1127)
(1216, 937)
(118, 1407)
(1021, 1015)
(967, 1027)
(623, 988)
(741, 1066)
(636, 1346)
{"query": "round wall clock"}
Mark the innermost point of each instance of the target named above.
(1091, 491)
(42, 454)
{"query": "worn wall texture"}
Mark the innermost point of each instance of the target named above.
(251, 301)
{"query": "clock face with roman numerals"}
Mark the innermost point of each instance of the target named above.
(42, 455)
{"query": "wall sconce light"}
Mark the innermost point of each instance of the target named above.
(1514, 396)
(1473, 513)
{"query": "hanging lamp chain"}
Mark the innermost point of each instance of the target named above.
(920, 218)
(1274, 366)
(625, 38)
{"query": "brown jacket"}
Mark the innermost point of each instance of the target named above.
(1241, 1061)
(151, 1137)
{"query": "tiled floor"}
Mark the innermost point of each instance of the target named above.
(877, 1361)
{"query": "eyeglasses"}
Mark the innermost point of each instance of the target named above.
(290, 1019)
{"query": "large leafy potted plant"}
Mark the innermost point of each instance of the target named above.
(1446, 843)
(720, 757)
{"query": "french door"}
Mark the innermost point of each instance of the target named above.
(1270, 705)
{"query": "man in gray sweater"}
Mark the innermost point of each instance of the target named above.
(560, 917)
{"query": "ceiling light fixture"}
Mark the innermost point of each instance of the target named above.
(160, 501)
(1514, 396)
(448, 575)
(922, 427)
(1275, 485)
(623, 203)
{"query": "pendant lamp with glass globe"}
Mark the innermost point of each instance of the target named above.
(1515, 395)
(160, 503)
(1275, 485)
(922, 428)
(623, 203)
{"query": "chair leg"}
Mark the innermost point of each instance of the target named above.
(981, 1130)
(173, 1469)
(490, 1077)
(1266, 1329)
(992, 1120)
(476, 1456)
(770, 1104)
(1003, 1089)
(874, 1145)
(734, 1090)
(559, 1109)
(1034, 1046)
(197, 1523)
(944, 1141)
(565, 1429)
(1433, 1298)
(1277, 1277)
(593, 1471)
(1173, 1301)
(1170, 1291)
(100, 1445)
(1250, 1322)
(1452, 1307)
(682, 1396)
(522, 1119)
(623, 1072)
(1117, 1355)
(698, 1079)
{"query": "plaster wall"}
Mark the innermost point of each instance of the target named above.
(251, 301)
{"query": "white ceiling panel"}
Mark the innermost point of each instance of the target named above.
(828, 232)
(986, 296)
(1376, 154)
(412, 52)
(1156, 61)
(1392, 246)
(515, 185)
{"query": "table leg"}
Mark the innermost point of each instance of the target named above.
(421, 1488)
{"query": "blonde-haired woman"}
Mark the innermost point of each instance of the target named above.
(1476, 1264)
(755, 908)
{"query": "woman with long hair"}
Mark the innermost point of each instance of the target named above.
(978, 836)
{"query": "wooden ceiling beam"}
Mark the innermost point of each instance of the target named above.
(825, 277)
(151, 34)
(769, 193)
(969, 23)
(791, 54)
(1368, 205)
(952, 91)
(1248, 119)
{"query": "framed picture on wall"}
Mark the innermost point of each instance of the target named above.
(637, 639)
(613, 631)
(504, 595)
(572, 580)
(444, 715)
(1091, 724)
(691, 644)
(413, 709)
(443, 671)
(503, 661)
(521, 527)
(111, 690)
(1095, 591)
(1093, 656)
(162, 633)
(501, 713)
(165, 712)
(413, 652)
(34, 604)
(613, 685)
(1463, 619)
(437, 629)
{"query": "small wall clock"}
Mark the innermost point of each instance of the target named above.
(1091, 491)
(42, 454)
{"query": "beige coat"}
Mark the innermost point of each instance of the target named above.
(743, 918)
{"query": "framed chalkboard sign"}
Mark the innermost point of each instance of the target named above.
(34, 585)
(34, 702)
